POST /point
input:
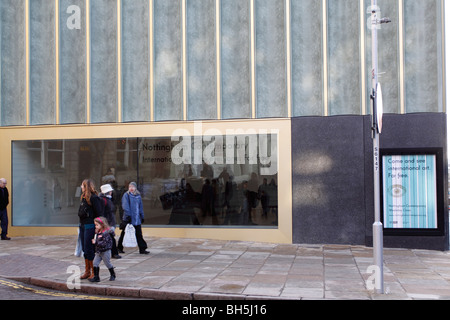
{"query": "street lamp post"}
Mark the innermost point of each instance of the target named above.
(377, 114)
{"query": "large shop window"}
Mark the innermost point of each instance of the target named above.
(195, 181)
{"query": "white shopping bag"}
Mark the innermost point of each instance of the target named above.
(78, 249)
(129, 240)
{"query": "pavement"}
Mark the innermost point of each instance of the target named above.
(199, 269)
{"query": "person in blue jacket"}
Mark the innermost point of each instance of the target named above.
(134, 214)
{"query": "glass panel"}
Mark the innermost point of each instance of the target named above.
(201, 59)
(423, 56)
(344, 84)
(168, 62)
(307, 60)
(49, 174)
(235, 59)
(387, 58)
(42, 62)
(270, 59)
(135, 60)
(103, 61)
(218, 180)
(12, 63)
(72, 61)
(220, 186)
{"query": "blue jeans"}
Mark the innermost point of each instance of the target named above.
(105, 257)
(87, 232)
(4, 222)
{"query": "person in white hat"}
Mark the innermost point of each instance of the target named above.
(110, 215)
(106, 189)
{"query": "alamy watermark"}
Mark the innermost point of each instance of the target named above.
(73, 281)
(234, 146)
(74, 21)
(373, 282)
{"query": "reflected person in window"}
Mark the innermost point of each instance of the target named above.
(134, 213)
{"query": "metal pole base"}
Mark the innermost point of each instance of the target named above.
(378, 256)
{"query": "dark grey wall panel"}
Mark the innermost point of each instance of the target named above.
(419, 130)
(332, 176)
(328, 180)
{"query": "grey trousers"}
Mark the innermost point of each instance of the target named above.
(105, 256)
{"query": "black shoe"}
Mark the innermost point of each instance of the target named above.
(116, 256)
(144, 252)
(6, 238)
(96, 277)
(120, 250)
(112, 274)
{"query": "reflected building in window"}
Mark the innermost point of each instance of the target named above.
(216, 191)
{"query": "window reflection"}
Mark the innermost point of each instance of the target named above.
(227, 192)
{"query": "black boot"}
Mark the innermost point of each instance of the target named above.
(112, 273)
(96, 277)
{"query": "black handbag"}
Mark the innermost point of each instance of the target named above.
(83, 210)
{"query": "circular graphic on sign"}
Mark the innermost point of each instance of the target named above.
(397, 190)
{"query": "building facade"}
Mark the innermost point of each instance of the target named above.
(206, 105)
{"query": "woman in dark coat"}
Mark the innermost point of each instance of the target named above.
(90, 208)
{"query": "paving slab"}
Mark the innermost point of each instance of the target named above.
(187, 269)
